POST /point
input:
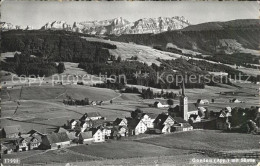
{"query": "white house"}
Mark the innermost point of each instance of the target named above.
(97, 135)
(148, 119)
(202, 101)
(136, 126)
(90, 116)
(158, 104)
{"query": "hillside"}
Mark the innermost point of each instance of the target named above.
(237, 36)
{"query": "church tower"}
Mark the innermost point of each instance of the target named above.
(184, 103)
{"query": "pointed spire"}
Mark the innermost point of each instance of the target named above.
(183, 89)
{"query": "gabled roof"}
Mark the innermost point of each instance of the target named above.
(86, 135)
(179, 120)
(94, 131)
(57, 137)
(161, 118)
(90, 114)
(83, 122)
(117, 121)
(194, 116)
(131, 124)
(33, 132)
(15, 129)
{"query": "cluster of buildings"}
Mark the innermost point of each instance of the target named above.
(93, 128)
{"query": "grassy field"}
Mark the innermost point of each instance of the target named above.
(208, 140)
(124, 149)
(144, 53)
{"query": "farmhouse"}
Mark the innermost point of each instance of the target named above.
(136, 126)
(11, 131)
(85, 124)
(202, 101)
(8, 148)
(158, 104)
(120, 122)
(148, 119)
(35, 142)
(90, 116)
(72, 124)
(195, 118)
(23, 143)
(164, 122)
(121, 131)
(93, 103)
(55, 140)
(97, 135)
(235, 101)
(107, 130)
(86, 137)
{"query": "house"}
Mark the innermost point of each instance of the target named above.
(195, 118)
(55, 140)
(136, 126)
(107, 131)
(202, 101)
(120, 122)
(158, 104)
(148, 119)
(235, 101)
(35, 142)
(192, 109)
(23, 143)
(85, 125)
(97, 135)
(90, 116)
(222, 123)
(8, 148)
(93, 103)
(122, 131)
(11, 131)
(163, 119)
(86, 137)
(181, 124)
(72, 124)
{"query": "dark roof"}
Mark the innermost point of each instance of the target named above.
(57, 137)
(192, 107)
(160, 119)
(86, 135)
(194, 116)
(133, 123)
(32, 132)
(179, 120)
(93, 130)
(117, 121)
(12, 129)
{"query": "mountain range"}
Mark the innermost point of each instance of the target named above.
(115, 26)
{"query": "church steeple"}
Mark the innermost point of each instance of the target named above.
(183, 88)
(184, 103)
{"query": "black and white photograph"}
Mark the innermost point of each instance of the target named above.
(130, 83)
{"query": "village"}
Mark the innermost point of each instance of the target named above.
(92, 127)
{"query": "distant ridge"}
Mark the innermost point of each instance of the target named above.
(116, 26)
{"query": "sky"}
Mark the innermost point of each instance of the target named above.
(38, 13)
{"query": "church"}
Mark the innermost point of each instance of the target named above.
(184, 109)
